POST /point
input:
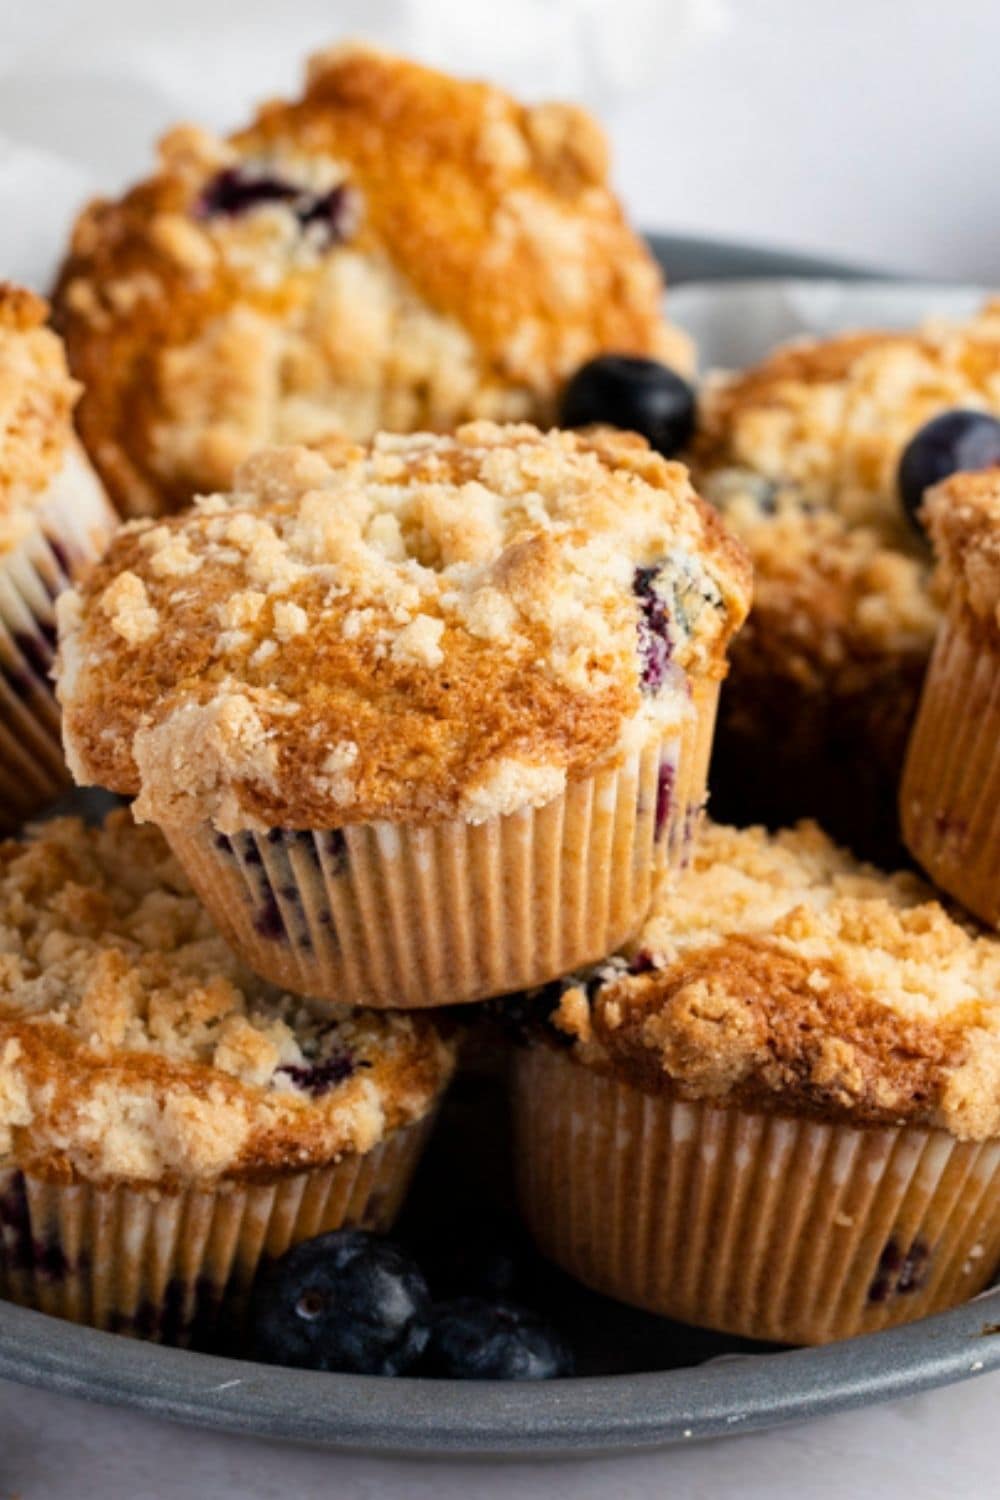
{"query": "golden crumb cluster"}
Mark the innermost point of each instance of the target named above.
(426, 627)
(963, 517)
(36, 410)
(782, 974)
(135, 1046)
(801, 454)
(396, 250)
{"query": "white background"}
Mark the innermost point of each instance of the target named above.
(868, 128)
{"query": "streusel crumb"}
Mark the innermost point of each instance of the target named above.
(396, 250)
(963, 516)
(134, 1046)
(426, 628)
(783, 974)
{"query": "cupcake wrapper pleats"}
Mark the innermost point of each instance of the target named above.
(172, 1266)
(407, 915)
(796, 1231)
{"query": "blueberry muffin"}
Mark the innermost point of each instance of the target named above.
(801, 454)
(395, 250)
(779, 1114)
(54, 517)
(950, 796)
(166, 1119)
(425, 720)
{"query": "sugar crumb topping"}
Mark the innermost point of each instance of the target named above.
(134, 1044)
(492, 610)
(963, 516)
(781, 973)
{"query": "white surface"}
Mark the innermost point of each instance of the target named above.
(866, 128)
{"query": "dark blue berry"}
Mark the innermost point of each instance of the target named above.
(268, 920)
(655, 647)
(318, 1078)
(639, 394)
(899, 1272)
(948, 444)
(475, 1339)
(236, 191)
(345, 1301)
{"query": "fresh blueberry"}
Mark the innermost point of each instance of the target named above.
(640, 394)
(347, 1301)
(474, 1339)
(948, 444)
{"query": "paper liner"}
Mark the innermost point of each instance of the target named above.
(950, 794)
(72, 525)
(177, 1267)
(795, 1231)
(408, 916)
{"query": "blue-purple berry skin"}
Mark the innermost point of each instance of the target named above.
(235, 191)
(475, 1338)
(899, 1272)
(638, 394)
(654, 627)
(268, 920)
(347, 1301)
(948, 444)
(319, 1078)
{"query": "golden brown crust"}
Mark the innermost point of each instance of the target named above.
(135, 1047)
(434, 627)
(480, 258)
(963, 517)
(784, 975)
(36, 405)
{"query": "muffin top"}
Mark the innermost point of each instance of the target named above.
(783, 975)
(397, 249)
(36, 410)
(428, 627)
(135, 1047)
(801, 453)
(963, 517)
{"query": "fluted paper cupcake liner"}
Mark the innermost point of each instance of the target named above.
(70, 529)
(406, 916)
(177, 1267)
(796, 1231)
(950, 793)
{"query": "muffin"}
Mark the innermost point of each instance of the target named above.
(950, 795)
(395, 250)
(779, 1115)
(54, 517)
(800, 453)
(423, 720)
(166, 1119)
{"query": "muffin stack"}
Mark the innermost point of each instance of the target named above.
(416, 719)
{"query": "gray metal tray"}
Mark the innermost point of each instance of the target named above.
(707, 1392)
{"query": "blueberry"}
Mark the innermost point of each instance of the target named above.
(948, 444)
(639, 394)
(475, 1339)
(347, 1301)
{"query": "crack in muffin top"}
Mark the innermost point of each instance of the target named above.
(963, 517)
(426, 628)
(784, 975)
(37, 398)
(135, 1046)
(801, 451)
(396, 250)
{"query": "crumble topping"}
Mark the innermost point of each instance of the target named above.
(396, 250)
(963, 517)
(783, 974)
(424, 628)
(135, 1046)
(801, 452)
(37, 398)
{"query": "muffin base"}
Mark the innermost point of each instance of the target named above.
(177, 1268)
(794, 1231)
(407, 916)
(950, 795)
(71, 527)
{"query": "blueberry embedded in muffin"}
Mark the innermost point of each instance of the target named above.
(778, 1113)
(149, 1080)
(390, 676)
(54, 518)
(397, 249)
(801, 453)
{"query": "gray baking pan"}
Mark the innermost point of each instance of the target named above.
(644, 1383)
